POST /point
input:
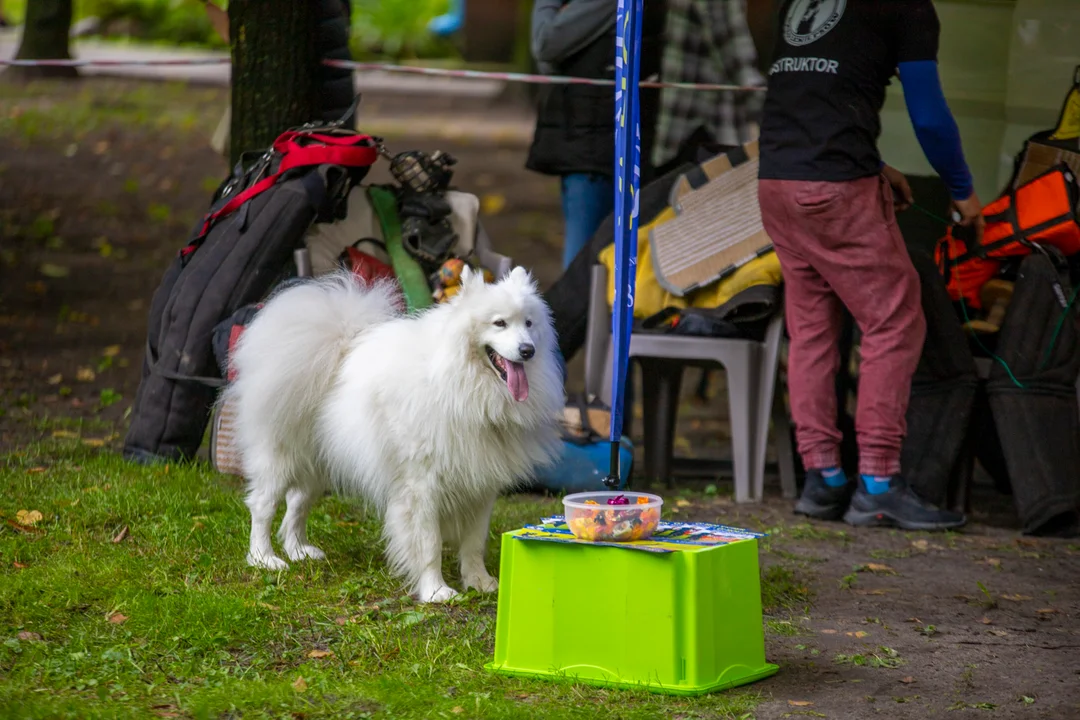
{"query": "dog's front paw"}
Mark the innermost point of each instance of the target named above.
(482, 582)
(436, 595)
(267, 562)
(297, 553)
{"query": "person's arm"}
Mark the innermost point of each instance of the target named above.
(559, 31)
(934, 126)
(729, 33)
(917, 31)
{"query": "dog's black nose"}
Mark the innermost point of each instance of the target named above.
(527, 350)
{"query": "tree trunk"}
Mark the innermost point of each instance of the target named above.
(45, 37)
(274, 67)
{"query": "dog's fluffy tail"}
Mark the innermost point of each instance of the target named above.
(287, 358)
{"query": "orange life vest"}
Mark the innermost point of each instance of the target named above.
(1042, 211)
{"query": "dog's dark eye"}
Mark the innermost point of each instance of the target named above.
(528, 323)
(500, 323)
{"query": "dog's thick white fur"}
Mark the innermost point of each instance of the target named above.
(428, 417)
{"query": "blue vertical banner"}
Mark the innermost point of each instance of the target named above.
(627, 182)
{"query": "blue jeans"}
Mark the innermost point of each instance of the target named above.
(586, 200)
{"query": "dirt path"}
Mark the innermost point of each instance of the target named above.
(99, 184)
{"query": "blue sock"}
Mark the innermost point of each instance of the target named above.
(876, 485)
(834, 477)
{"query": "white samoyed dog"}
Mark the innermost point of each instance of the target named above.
(428, 417)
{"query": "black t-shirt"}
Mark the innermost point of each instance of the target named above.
(832, 62)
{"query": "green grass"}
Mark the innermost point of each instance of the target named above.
(205, 636)
(55, 111)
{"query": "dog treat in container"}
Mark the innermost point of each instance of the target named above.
(612, 516)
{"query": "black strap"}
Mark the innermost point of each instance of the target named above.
(738, 156)
(590, 434)
(152, 365)
(1020, 236)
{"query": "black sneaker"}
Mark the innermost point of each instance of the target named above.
(900, 507)
(820, 500)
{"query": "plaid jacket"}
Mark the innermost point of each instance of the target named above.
(707, 41)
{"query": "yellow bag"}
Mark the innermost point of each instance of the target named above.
(650, 298)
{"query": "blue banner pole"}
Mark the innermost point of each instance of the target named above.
(627, 181)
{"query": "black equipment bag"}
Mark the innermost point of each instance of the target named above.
(1036, 414)
(936, 456)
(236, 255)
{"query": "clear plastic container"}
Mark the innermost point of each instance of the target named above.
(591, 517)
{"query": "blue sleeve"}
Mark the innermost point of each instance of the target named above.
(934, 125)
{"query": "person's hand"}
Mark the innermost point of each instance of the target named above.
(900, 187)
(970, 214)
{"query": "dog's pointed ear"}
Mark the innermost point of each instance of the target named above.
(470, 278)
(522, 278)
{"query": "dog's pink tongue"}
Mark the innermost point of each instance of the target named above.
(516, 381)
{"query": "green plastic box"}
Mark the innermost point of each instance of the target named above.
(681, 623)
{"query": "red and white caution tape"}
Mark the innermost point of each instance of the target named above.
(404, 69)
(114, 63)
(531, 79)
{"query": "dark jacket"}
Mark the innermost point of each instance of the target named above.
(575, 124)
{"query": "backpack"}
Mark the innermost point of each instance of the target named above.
(237, 253)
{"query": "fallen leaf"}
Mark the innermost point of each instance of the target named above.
(457, 709)
(38, 469)
(799, 703)
(268, 606)
(29, 517)
(876, 591)
(914, 620)
(120, 536)
(117, 618)
(993, 562)
(85, 375)
(299, 685)
(24, 528)
(18, 565)
(101, 147)
(999, 633)
(682, 502)
(1016, 598)
(28, 636)
(53, 270)
(1047, 611)
(986, 621)
(65, 434)
(93, 442)
(920, 544)
(341, 620)
(198, 525)
(320, 654)
(828, 632)
(907, 680)
(55, 379)
(111, 351)
(883, 569)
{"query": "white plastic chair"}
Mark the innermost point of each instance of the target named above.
(751, 368)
